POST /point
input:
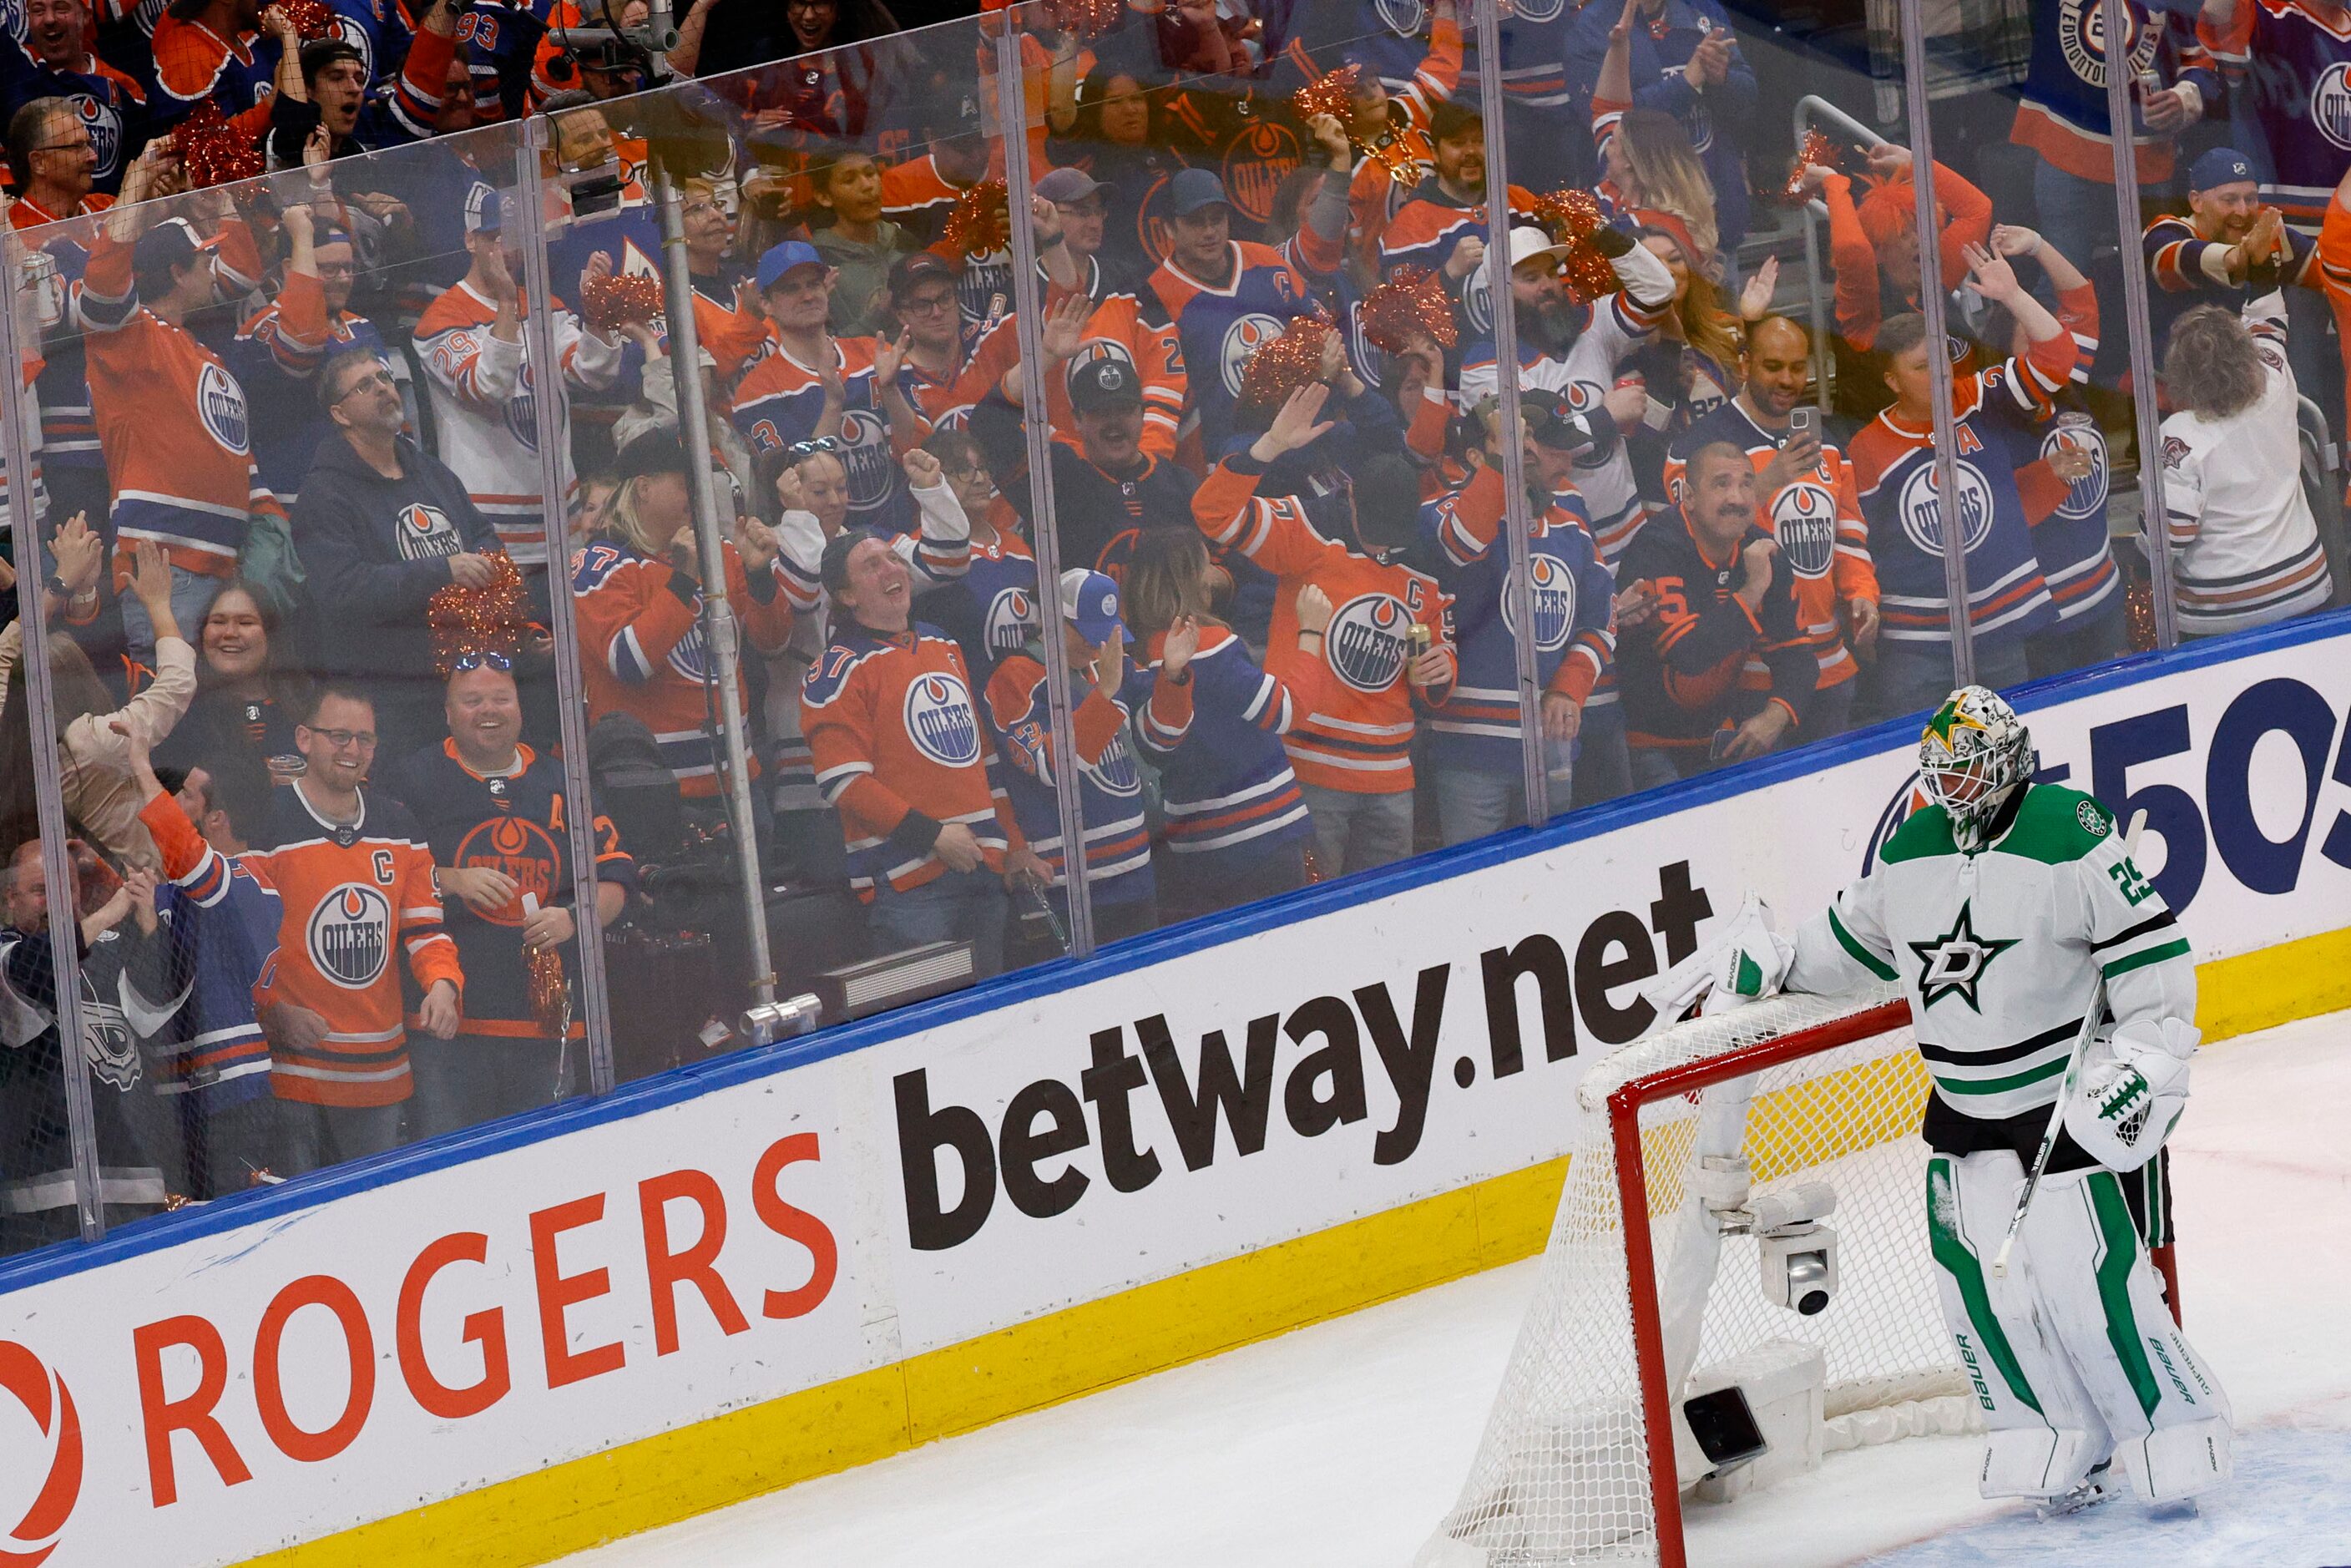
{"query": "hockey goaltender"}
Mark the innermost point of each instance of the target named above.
(2017, 926)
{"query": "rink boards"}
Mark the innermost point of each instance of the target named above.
(610, 1316)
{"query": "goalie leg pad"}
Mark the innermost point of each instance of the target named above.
(2099, 1295)
(2045, 1430)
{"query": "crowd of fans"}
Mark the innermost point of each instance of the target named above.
(309, 501)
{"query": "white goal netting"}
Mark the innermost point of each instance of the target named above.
(1562, 1474)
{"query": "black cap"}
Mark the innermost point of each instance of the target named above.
(1100, 385)
(169, 243)
(913, 267)
(321, 53)
(657, 451)
(832, 567)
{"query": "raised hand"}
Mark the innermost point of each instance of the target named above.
(1298, 424)
(1990, 276)
(1175, 649)
(1314, 610)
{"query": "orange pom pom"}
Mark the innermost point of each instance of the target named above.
(1411, 304)
(981, 223)
(1572, 217)
(1818, 148)
(495, 618)
(1333, 93)
(212, 152)
(312, 19)
(1280, 367)
(607, 302)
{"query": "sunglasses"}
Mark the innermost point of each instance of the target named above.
(801, 450)
(481, 661)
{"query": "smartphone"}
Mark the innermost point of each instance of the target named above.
(1803, 420)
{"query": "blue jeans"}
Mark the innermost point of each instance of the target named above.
(955, 906)
(1915, 677)
(2076, 213)
(1356, 832)
(1602, 771)
(192, 596)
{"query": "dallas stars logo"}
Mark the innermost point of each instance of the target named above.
(1953, 964)
(1948, 722)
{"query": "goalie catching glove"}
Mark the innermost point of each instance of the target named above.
(2133, 1088)
(1745, 963)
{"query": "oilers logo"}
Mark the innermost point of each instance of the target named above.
(1370, 642)
(350, 32)
(1363, 355)
(348, 936)
(1011, 621)
(522, 850)
(983, 289)
(2082, 38)
(1803, 519)
(1551, 586)
(107, 1045)
(689, 656)
(940, 720)
(1093, 350)
(2086, 496)
(105, 128)
(1115, 773)
(1244, 336)
(1538, 12)
(424, 532)
(220, 402)
(1922, 517)
(867, 457)
(1477, 301)
(522, 409)
(1404, 19)
(1260, 160)
(2330, 104)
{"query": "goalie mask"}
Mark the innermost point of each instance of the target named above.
(1973, 756)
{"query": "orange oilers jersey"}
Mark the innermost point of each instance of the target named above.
(640, 639)
(895, 727)
(1358, 737)
(173, 422)
(358, 900)
(1823, 538)
(1124, 327)
(486, 416)
(918, 198)
(193, 63)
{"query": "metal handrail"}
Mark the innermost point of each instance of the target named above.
(1810, 109)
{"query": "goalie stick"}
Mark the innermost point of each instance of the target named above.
(2064, 1090)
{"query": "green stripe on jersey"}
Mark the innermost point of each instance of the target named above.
(1861, 955)
(2049, 1069)
(2055, 826)
(2139, 960)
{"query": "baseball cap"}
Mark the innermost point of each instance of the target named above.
(1089, 604)
(916, 267)
(1549, 419)
(320, 53)
(1103, 384)
(1528, 242)
(1193, 189)
(657, 451)
(782, 258)
(1063, 187)
(169, 243)
(2221, 166)
(484, 212)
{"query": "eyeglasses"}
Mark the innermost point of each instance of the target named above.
(336, 269)
(801, 450)
(375, 382)
(974, 475)
(344, 739)
(925, 304)
(484, 660)
(83, 145)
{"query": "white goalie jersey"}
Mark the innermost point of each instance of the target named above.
(2001, 951)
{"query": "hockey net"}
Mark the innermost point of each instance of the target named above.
(1577, 1464)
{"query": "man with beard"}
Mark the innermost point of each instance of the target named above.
(493, 811)
(1442, 227)
(1806, 501)
(2230, 247)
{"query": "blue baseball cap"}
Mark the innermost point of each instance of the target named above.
(782, 258)
(1089, 604)
(1193, 189)
(485, 209)
(2221, 166)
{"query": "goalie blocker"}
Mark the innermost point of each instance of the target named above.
(2002, 910)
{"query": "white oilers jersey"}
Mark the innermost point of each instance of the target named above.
(1998, 951)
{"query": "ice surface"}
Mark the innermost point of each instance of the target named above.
(1342, 1444)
